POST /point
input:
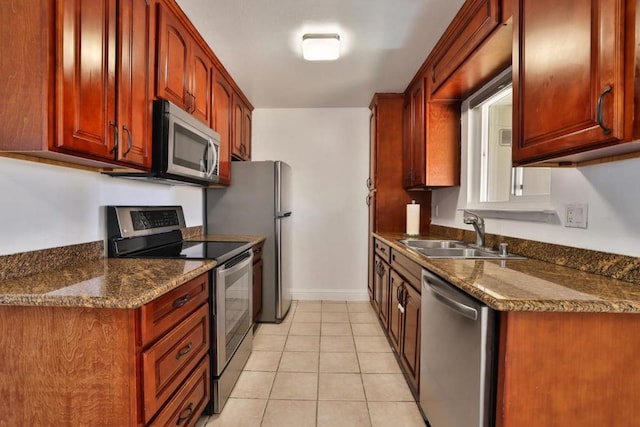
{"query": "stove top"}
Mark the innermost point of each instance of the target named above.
(155, 232)
(220, 251)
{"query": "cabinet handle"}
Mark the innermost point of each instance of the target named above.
(194, 107)
(369, 183)
(115, 140)
(180, 301)
(368, 200)
(185, 414)
(605, 129)
(184, 351)
(129, 140)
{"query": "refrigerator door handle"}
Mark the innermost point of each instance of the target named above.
(283, 214)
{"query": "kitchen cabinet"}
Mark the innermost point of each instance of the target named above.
(222, 123)
(258, 270)
(241, 135)
(387, 198)
(568, 369)
(185, 70)
(107, 366)
(580, 94)
(475, 21)
(382, 290)
(85, 98)
(431, 141)
(104, 108)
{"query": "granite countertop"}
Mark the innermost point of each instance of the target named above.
(529, 285)
(105, 282)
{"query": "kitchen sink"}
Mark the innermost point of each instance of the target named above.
(453, 249)
(433, 244)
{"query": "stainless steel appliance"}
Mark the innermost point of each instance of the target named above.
(154, 232)
(457, 356)
(259, 202)
(185, 150)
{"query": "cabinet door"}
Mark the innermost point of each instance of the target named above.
(569, 81)
(414, 150)
(173, 59)
(134, 104)
(246, 133)
(411, 334)
(222, 118)
(395, 315)
(201, 80)
(384, 294)
(257, 288)
(236, 135)
(86, 79)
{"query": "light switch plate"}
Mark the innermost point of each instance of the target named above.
(576, 215)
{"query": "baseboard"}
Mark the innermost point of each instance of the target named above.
(329, 295)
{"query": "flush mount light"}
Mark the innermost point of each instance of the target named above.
(320, 47)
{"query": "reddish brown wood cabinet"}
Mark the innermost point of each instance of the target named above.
(241, 135)
(85, 91)
(185, 70)
(222, 122)
(431, 141)
(576, 95)
(108, 366)
(258, 271)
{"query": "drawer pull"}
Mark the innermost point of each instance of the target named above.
(181, 301)
(185, 414)
(184, 351)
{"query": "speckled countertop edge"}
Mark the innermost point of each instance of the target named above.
(79, 276)
(528, 285)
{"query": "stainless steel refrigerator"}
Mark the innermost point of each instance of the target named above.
(258, 202)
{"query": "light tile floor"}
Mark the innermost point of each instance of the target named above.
(327, 365)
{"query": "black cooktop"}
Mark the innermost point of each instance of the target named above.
(188, 249)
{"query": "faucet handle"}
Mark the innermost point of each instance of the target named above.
(502, 249)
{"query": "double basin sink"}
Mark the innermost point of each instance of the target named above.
(454, 249)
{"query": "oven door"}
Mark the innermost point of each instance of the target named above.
(232, 307)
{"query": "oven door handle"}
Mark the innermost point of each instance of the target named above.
(237, 264)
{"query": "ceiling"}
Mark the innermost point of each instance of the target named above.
(383, 43)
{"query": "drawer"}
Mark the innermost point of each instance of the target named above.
(383, 250)
(168, 362)
(409, 269)
(163, 313)
(185, 407)
(257, 252)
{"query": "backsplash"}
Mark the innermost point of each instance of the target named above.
(619, 267)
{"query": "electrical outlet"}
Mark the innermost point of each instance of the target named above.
(576, 215)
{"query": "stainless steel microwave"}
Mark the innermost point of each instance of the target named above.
(184, 150)
(183, 146)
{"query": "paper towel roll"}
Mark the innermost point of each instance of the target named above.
(413, 219)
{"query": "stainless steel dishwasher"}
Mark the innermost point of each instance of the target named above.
(458, 351)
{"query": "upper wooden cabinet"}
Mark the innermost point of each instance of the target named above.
(474, 22)
(185, 71)
(222, 123)
(573, 79)
(241, 135)
(86, 101)
(431, 140)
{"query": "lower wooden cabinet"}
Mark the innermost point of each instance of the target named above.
(258, 267)
(398, 301)
(107, 366)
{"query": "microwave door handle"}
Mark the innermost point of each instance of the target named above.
(209, 154)
(214, 157)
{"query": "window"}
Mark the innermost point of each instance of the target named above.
(492, 182)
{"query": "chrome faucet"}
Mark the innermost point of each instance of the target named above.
(478, 224)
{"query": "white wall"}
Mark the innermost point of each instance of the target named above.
(44, 206)
(328, 152)
(611, 191)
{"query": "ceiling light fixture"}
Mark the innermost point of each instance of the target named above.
(321, 47)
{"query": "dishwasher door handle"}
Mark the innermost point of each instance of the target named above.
(456, 306)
